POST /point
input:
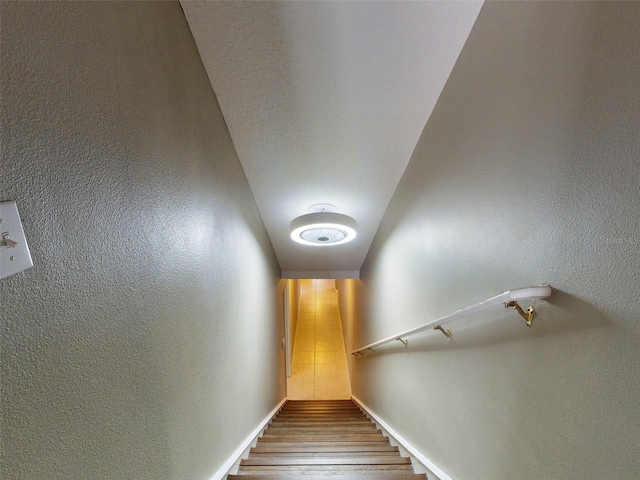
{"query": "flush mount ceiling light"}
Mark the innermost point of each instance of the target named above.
(323, 228)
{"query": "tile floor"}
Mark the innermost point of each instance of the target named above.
(319, 366)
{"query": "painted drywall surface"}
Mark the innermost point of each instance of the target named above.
(526, 173)
(294, 305)
(292, 288)
(145, 341)
(349, 302)
(329, 96)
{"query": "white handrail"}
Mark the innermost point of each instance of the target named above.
(505, 299)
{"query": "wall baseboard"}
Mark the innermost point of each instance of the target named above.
(235, 457)
(430, 468)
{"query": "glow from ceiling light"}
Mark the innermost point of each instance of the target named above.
(323, 229)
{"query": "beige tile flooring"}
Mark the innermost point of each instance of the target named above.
(319, 366)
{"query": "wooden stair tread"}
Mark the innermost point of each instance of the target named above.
(318, 419)
(293, 430)
(360, 468)
(334, 408)
(376, 460)
(321, 421)
(322, 411)
(284, 443)
(297, 432)
(318, 403)
(319, 425)
(345, 447)
(332, 454)
(369, 476)
(311, 439)
(323, 438)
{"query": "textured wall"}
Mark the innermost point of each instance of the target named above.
(145, 342)
(526, 173)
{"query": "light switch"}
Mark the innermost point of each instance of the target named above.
(14, 251)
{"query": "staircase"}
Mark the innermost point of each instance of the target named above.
(314, 439)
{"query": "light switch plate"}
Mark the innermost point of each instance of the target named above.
(14, 251)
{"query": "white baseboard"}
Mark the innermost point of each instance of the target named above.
(430, 468)
(235, 457)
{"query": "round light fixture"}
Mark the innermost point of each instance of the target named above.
(323, 228)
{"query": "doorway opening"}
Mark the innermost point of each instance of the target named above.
(319, 363)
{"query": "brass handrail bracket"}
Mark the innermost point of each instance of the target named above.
(446, 333)
(527, 315)
(505, 299)
(404, 342)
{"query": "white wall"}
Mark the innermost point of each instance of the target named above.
(145, 341)
(349, 303)
(527, 172)
(294, 306)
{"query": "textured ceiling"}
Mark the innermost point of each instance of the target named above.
(325, 102)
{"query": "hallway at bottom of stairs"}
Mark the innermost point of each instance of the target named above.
(319, 439)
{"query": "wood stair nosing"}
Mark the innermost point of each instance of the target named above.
(377, 460)
(385, 476)
(320, 402)
(285, 443)
(319, 439)
(319, 417)
(317, 408)
(317, 433)
(324, 438)
(328, 469)
(321, 413)
(351, 417)
(320, 423)
(343, 406)
(347, 447)
(329, 429)
(330, 454)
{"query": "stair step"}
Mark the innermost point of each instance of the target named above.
(368, 476)
(319, 423)
(309, 407)
(344, 447)
(279, 432)
(322, 438)
(323, 469)
(347, 407)
(280, 420)
(321, 411)
(376, 460)
(334, 436)
(310, 440)
(329, 429)
(343, 404)
(287, 443)
(330, 454)
(351, 417)
(318, 417)
(318, 402)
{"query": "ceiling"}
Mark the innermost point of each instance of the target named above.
(325, 102)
